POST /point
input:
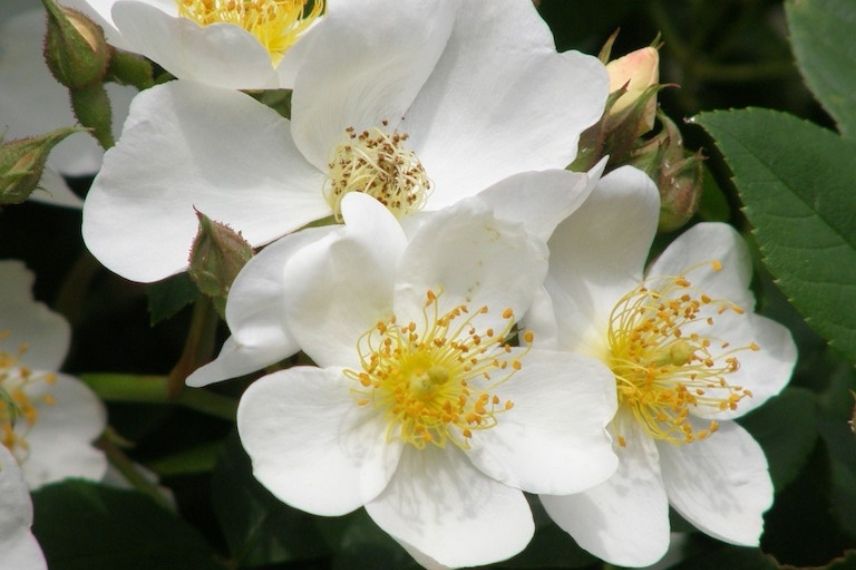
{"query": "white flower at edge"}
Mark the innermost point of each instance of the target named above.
(419, 409)
(419, 104)
(32, 102)
(235, 45)
(18, 546)
(688, 355)
(48, 420)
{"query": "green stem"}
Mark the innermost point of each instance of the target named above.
(129, 471)
(155, 390)
(69, 300)
(199, 346)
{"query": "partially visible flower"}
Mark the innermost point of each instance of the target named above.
(419, 104)
(18, 546)
(48, 420)
(244, 44)
(33, 103)
(635, 72)
(421, 410)
(687, 353)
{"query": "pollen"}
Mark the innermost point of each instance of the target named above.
(19, 412)
(664, 364)
(436, 383)
(276, 24)
(379, 164)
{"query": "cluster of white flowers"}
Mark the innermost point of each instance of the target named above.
(481, 318)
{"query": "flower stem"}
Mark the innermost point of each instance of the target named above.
(198, 348)
(155, 390)
(126, 467)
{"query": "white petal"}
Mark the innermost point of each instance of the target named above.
(19, 547)
(46, 334)
(696, 249)
(540, 200)
(220, 55)
(52, 189)
(338, 287)
(721, 484)
(184, 146)
(61, 439)
(236, 360)
(501, 100)
(624, 521)
(597, 254)
(441, 506)
(369, 60)
(256, 313)
(469, 257)
(311, 444)
(554, 439)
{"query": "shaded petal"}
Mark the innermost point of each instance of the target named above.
(721, 484)
(540, 200)
(184, 146)
(479, 117)
(554, 439)
(19, 547)
(255, 312)
(624, 520)
(469, 257)
(61, 439)
(439, 505)
(338, 287)
(45, 334)
(311, 445)
(597, 254)
(370, 60)
(220, 55)
(692, 255)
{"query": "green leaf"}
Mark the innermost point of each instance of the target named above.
(822, 33)
(84, 526)
(169, 296)
(731, 557)
(785, 428)
(199, 459)
(259, 528)
(796, 181)
(713, 205)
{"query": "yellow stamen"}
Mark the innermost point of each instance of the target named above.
(378, 164)
(276, 24)
(661, 371)
(435, 383)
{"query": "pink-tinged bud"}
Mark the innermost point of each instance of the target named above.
(636, 72)
(75, 49)
(217, 255)
(22, 162)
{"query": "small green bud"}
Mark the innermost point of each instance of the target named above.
(75, 49)
(128, 68)
(217, 255)
(91, 106)
(22, 162)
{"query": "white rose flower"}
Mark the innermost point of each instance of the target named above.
(48, 420)
(420, 410)
(688, 355)
(32, 102)
(418, 104)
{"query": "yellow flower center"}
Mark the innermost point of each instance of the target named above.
(662, 370)
(276, 24)
(436, 383)
(378, 164)
(18, 412)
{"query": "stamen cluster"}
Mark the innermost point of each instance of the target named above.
(277, 24)
(379, 165)
(435, 383)
(661, 369)
(16, 406)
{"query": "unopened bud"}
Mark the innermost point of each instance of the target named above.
(635, 72)
(75, 49)
(217, 255)
(22, 162)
